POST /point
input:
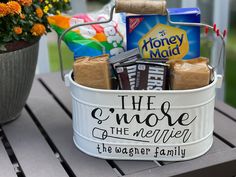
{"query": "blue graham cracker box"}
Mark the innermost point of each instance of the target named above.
(156, 38)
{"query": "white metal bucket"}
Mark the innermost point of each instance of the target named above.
(143, 125)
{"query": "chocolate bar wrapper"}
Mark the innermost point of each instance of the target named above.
(156, 61)
(127, 76)
(125, 57)
(152, 76)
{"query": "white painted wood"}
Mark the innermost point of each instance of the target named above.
(221, 18)
(189, 3)
(43, 57)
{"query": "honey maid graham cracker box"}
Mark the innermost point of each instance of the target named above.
(157, 38)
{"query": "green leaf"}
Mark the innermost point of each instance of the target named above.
(36, 5)
(7, 38)
(27, 10)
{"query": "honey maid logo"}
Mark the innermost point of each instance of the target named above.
(164, 41)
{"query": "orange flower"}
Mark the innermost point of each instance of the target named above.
(3, 10)
(39, 12)
(17, 30)
(38, 29)
(14, 7)
(25, 2)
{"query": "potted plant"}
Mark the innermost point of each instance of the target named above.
(22, 23)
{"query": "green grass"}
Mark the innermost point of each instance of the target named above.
(230, 79)
(67, 57)
(230, 76)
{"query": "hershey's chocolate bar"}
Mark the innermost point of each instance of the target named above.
(151, 76)
(125, 58)
(127, 76)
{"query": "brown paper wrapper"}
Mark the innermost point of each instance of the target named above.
(93, 72)
(141, 7)
(189, 74)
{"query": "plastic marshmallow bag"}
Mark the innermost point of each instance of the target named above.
(92, 40)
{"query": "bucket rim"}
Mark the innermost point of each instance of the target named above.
(69, 77)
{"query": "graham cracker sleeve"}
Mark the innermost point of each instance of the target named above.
(189, 74)
(93, 72)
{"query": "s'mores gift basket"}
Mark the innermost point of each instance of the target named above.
(150, 100)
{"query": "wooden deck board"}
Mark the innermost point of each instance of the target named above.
(218, 146)
(54, 82)
(6, 167)
(58, 126)
(32, 151)
(225, 127)
(130, 167)
(220, 164)
(226, 109)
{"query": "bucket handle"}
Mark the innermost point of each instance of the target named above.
(222, 53)
(219, 81)
(141, 6)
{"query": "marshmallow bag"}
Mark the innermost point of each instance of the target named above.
(92, 40)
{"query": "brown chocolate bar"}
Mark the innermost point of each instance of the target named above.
(152, 76)
(127, 76)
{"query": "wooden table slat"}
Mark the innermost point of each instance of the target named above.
(225, 127)
(7, 169)
(129, 167)
(220, 164)
(58, 126)
(218, 146)
(32, 151)
(228, 110)
(54, 82)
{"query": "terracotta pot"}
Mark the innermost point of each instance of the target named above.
(17, 70)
